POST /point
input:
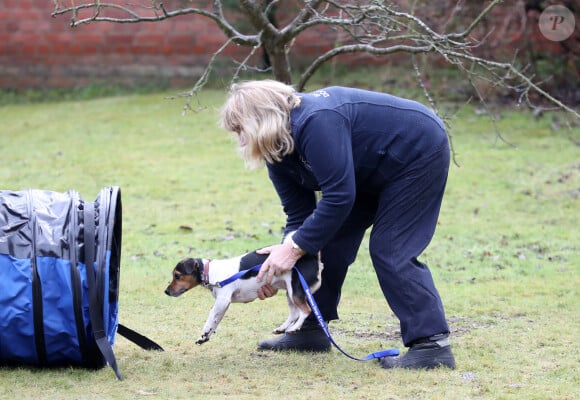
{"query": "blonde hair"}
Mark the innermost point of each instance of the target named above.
(259, 111)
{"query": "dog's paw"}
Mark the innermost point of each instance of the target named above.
(278, 331)
(202, 339)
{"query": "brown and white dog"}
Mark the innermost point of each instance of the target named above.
(192, 272)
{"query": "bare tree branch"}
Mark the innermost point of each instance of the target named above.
(201, 82)
(357, 48)
(435, 108)
(374, 27)
(511, 72)
(476, 21)
(134, 17)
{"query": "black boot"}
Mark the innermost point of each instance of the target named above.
(310, 337)
(426, 353)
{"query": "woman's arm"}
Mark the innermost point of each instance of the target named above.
(325, 142)
(326, 145)
(298, 202)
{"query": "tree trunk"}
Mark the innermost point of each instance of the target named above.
(280, 63)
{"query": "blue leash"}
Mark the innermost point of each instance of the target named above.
(393, 352)
(379, 354)
(237, 276)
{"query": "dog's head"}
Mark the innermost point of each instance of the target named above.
(187, 274)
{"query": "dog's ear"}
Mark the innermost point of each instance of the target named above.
(188, 266)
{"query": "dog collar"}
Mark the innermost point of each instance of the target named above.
(205, 274)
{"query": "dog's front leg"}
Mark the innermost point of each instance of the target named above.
(215, 316)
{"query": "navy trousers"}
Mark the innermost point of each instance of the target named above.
(403, 213)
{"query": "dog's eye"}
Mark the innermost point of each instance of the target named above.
(176, 277)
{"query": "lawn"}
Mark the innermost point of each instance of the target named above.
(506, 258)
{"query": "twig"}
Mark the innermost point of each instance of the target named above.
(201, 82)
(433, 104)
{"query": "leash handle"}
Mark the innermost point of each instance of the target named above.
(379, 354)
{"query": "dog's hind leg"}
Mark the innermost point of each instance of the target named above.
(215, 316)
(303, 310)
(293, 315)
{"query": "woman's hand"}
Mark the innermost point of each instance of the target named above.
(282, 259)
(267, 291)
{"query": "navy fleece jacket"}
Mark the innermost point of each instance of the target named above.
(347, 141)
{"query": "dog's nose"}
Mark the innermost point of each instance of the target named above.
(167, 292)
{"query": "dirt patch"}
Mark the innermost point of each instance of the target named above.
(458, 326)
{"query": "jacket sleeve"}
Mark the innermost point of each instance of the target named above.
(325, 143)
(297, 201)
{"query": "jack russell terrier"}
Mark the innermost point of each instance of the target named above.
(192, 272)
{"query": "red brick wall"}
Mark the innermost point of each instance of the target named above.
(38, 51)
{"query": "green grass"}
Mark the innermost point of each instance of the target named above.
(505, 258)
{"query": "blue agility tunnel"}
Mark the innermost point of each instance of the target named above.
(59, 279)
